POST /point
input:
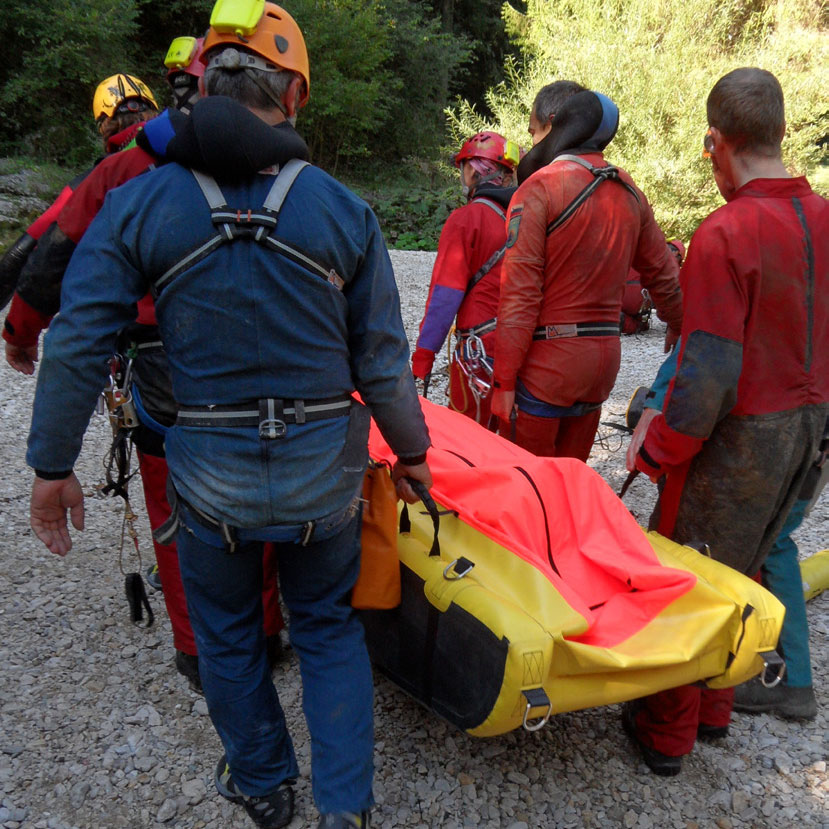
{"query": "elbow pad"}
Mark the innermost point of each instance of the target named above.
(12, 264)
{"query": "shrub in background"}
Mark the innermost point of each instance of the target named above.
(658, 59)
(56, 54)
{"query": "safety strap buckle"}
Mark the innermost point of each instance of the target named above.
(774, 668)
(536, 698)
(272, 428)
(271, 425)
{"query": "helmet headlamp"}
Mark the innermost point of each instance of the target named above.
(238, 17)
(181, 53)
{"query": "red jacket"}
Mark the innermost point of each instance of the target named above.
(471, 235)
(755, 339)
(575, 274)
(23, 323)
(88, 199)
(76, 212)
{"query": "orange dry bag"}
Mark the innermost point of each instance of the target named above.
(378, 585)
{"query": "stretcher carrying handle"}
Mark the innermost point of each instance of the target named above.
(431, 507)
(774, 667)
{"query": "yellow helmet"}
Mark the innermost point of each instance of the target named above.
(114, 91)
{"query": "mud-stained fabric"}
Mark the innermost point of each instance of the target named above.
(739, 491)
(705, 389)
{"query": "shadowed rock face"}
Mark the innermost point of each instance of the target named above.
(24, 195)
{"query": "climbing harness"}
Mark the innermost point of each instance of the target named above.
(117, 402)
(469, 352)
(600, 174)
(258, 225)
(471, 358)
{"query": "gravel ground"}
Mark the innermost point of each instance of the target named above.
(97, 730)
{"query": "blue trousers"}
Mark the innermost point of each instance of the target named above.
(224, 600)
(781, 575)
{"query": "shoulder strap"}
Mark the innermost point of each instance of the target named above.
(485, 268)
(496, 255)
(284, 181)
(490, 205)
(258, 225)
(600, 174)
(577, 158)
(212, 192)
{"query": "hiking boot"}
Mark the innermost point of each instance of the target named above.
(188, 666)
(753, 697)
(711, 732)
(344, 820)
(153, 578)
(659, 763)
(269, 811)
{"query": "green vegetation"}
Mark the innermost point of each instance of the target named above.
(658, 59)
(413, 204)
(384, 73)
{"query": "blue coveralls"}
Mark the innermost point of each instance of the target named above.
(241, 325)
(780, 571)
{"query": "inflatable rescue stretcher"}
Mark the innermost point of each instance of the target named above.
(546, 596)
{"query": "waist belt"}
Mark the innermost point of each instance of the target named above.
(219, 534)
(576, 329)
(271, 415)
(477, 330)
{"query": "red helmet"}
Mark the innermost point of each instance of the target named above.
(184, 56)
(492, 146)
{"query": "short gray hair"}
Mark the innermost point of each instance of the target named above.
(239, 86)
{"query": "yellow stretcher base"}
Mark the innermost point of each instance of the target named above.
(717, 633)
(815, 574)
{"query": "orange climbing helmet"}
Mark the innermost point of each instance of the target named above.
(263, 29)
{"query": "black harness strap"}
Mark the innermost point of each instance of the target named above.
(258, 225)
(600, 174)
(496, 256)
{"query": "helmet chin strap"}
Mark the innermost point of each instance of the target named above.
(264, 87)
(469, 192)
(234, 60)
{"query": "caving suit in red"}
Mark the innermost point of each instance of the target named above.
(558, 288)
(745, 411)
(472, 236)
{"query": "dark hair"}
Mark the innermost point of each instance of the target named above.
(551, 97)
(746, 106)
(121, 120)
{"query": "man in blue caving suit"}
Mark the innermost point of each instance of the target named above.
(275, 299)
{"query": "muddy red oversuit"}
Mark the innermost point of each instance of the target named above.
(745, 411)
(472, 235)
(557, 287)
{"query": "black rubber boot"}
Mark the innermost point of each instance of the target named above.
(792, 703)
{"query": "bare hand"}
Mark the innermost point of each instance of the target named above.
(503, 402)
(50, 500)
(638, 437)
(671, 339)
(420, 472)
(21, 358)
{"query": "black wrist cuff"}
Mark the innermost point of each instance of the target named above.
(413, 461)
(52, 476)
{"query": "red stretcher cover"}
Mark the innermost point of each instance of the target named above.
(558, 515)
